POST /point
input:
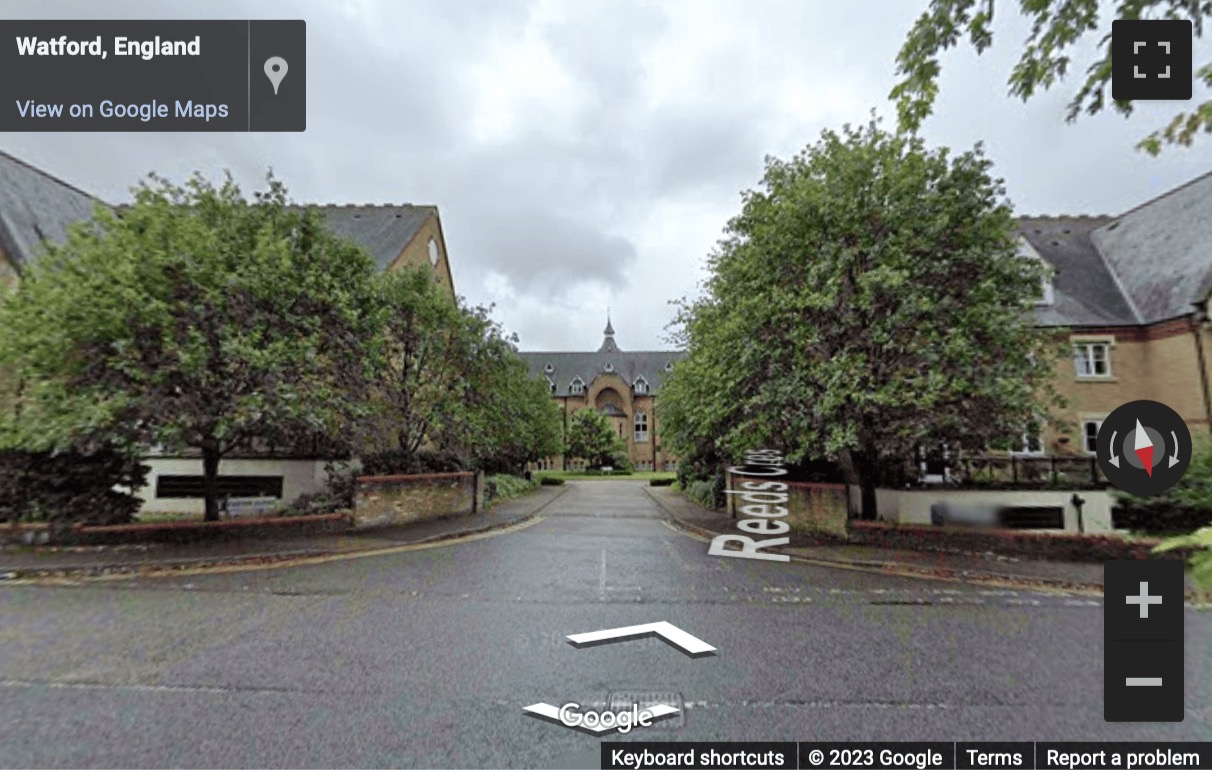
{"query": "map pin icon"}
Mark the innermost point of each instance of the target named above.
(275, 70)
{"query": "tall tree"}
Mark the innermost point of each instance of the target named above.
(194, 319)
(869, 299)
(454, 381)
(1056, 26)
(592, 438)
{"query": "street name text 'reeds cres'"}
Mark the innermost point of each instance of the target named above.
(762, 499)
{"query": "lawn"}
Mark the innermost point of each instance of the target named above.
(636, 476)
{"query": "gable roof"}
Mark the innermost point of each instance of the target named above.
(1085, 292)
(1162, 251)
(36, 206)
(384, 231)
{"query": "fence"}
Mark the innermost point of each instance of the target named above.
(1024, 471)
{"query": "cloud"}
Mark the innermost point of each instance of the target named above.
(588, 153)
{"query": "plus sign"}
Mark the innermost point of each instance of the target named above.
(1144, 600)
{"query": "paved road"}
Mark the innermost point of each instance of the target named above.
(425, 658)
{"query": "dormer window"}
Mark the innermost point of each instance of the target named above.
(640, 385)
(433, 252)
(549, 368)
(1046, 294)
(669, 366)
(609, 367)
(577, 386)
(551, 385)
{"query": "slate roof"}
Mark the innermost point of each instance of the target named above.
(1162, 251)
(590, 365)
(1085, 292)
(383, 230)
(35, 206)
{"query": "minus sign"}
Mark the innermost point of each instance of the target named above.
(1143, 681)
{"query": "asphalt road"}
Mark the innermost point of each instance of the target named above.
(426, 658)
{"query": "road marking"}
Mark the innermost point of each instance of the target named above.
(691, 645)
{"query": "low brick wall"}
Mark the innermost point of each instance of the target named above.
(811, 507)
(386, 500)
(177, 531)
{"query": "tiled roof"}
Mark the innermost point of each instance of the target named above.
(1086, 293)
(588, 366)
(383, 230)
(35, 206)
(1162, 251)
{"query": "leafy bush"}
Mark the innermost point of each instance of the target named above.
(665, 482)
(65, 488)
(551, 481)
(337, 495)
(399, 463)
(1194, 493)
(504, 487)
(708, 493)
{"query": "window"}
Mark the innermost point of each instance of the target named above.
(1090, 430)
(433, 252)
(641, 427)
(1031, 442)
(549, 368)
(609, 367)
(640, 385)
(551, 385)
(577, 387)
(669, 366)
(1092, 359)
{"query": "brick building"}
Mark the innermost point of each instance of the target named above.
(1130, 292)
(623, 385)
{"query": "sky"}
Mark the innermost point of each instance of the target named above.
(587, 154)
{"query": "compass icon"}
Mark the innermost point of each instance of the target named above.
(1144, 448)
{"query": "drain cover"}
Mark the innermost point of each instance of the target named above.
(624, 700)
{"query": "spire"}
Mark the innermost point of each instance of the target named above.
(608, 344)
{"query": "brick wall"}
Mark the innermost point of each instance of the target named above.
(386, 500)
(811, 507)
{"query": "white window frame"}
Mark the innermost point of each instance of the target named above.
(1097, 422)
(640, 421)
(435, 254)
(1024, 448)
(1084, 358)
(577, 386)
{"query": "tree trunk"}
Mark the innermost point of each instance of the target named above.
(210, 478)
(859, 471)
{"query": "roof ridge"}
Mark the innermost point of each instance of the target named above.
(52, 177)
(1166, 194)
(1119, 284)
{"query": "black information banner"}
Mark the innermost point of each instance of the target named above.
(141, 75)
(925, 755)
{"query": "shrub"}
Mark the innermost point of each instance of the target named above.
(551, 481)
(75, 487)
(503, 487)
(708, 493)
(337, 494)
(665, 482)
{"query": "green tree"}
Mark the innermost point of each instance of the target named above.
(194, 319)
(454, 381)
(1056, 26)
(592, 438)
(869, 299)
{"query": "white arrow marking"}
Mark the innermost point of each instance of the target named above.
(1114, 457)
(1174, 455)
(690, 645)
(550, 712)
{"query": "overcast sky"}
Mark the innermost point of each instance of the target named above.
(587, 154)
